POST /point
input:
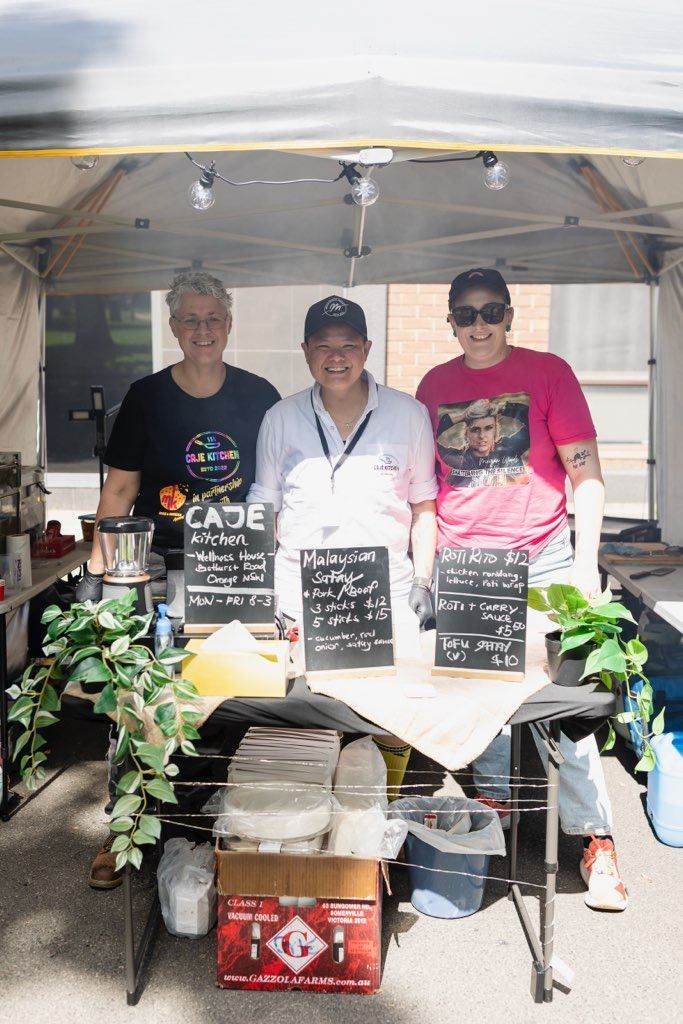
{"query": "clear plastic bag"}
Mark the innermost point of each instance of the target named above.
(187, 893)
(276, 812)
(365, 832)
(361, 776)
(485, 835)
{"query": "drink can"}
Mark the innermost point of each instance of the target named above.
(2, 590)
(429, 820)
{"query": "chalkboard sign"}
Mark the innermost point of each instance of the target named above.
(347, 611)
(481, 612)
(229, 566)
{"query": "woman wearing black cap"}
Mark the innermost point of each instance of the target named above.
(509, 491)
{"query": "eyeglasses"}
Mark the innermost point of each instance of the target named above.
(191, 323)
(490, 312)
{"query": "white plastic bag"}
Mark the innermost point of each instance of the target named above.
(361, 776)
(485, 835)
(187, 893)
(365, 832)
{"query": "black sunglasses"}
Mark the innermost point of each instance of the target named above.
(491, 313)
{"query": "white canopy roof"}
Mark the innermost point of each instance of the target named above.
(560, 90)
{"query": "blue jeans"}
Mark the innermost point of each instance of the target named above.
(584, 802)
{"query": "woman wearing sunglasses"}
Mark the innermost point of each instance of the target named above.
(511, 425)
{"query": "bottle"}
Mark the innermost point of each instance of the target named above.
(163, 631)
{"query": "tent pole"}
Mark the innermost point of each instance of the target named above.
(652, 364)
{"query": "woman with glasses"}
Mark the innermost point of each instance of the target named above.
(510, 426)
(187, 433)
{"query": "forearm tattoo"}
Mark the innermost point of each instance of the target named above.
(579, 458)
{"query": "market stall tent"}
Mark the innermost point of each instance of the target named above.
(275, 93)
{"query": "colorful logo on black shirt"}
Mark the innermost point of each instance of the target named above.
(173, 496)
(212, 456)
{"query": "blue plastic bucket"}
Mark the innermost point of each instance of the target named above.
(665, 788)
(437, 893)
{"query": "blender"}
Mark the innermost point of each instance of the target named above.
(125, 543)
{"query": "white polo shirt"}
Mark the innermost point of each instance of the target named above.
(390, 469)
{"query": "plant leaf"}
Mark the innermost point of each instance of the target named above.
(140, 837)
(151, 755)
(52, 611)
(537, 599)
(165, 712)
(611, 737)
(637, 652)
(13, 692)
(129, 782)
(657, 725)
(184, 689)
(162, 790)
(150, 825)
(608, 657)
(120, 843)
(135, 858)
(121, 824)
(44, 718)
(647, 761)
(120, 645)
(570, 641)
(107, 621)
(106, 701)
(122, 743)
(624, 717)
(173, 655)
(126, 805)
(50, 701)
(91, 670)
(20, 744)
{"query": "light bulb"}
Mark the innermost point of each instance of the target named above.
(86, 162)
(496, 175)
(365, 191)
(201, 196)
(633, 161)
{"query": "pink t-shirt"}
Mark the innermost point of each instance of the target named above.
(501, 481)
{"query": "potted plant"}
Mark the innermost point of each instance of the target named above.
(97, 643)
(591, 643)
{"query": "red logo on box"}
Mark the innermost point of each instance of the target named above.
(296, 944)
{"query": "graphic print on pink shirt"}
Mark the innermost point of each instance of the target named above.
(475, 507)
(485, 443)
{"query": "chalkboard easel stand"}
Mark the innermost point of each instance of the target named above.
(478, 673)
(207, 628)
(351, 673)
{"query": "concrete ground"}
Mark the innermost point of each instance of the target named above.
(61, 942)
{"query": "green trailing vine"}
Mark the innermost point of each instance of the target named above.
(95, 643)
(596, 625)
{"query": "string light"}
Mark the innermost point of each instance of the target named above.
(633, 161)
(200, 193)
(496, 173)
(85, 162)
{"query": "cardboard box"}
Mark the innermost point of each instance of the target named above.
(271, 939)
(258, 673)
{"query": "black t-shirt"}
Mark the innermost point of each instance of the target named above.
(188, 449)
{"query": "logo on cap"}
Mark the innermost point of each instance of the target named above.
(335, 307)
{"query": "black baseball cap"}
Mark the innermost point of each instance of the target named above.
(335, 310)
(478, 278)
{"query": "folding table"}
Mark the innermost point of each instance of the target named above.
(578, 711)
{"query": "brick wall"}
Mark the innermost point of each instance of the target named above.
(418, 336)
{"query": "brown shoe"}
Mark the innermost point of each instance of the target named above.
(103, 873)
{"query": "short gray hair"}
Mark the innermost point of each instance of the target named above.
(199, 282)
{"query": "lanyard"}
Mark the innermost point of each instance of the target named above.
(334, 466)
